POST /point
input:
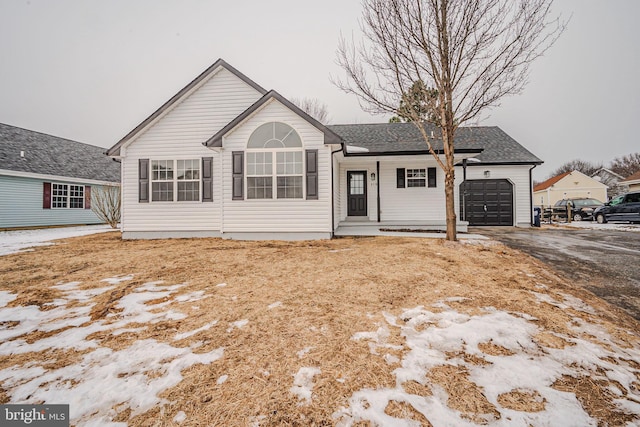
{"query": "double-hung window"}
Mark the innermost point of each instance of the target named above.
(277, 143)
(416, 178)
(67, 196)
(175, 180)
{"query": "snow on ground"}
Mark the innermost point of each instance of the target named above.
(525, 366)
(610, 226)
(303, 384)
(104, 378)
(20, 240)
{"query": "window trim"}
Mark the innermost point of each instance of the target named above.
(274, 175)
(197, 161)
(409, 179)
(68, 196)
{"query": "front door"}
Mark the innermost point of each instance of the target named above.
(357, 193)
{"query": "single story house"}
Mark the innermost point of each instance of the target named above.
(633, 181)
(47, 181)
(612, 180)
(226, 158)
(568, 185)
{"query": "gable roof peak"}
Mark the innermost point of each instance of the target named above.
(115, 150)
(216, 140)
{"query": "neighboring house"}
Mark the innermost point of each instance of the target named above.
(633, 182)
(611, 180)
(226, 158)
(568, 185)
(47, 181)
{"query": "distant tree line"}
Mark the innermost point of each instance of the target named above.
(624, 166)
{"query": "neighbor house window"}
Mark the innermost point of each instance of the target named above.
(279, 142)
(175, 180)
(416, 177)
(67, 196)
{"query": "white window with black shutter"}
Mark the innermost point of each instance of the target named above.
(175, 180)
(416, 177)
(275, 166)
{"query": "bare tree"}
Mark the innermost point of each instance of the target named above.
(313, 107)
(468, 53)
(626, 165)
(583, 166)
(105, 203)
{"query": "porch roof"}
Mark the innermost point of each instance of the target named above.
(492, 144)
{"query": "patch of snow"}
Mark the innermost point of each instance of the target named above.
(222, 379)
(191, 297)
(237, 324)
(18, 241)
(608, 226)
(304, 351)
(274, 305)
(117, 279)
(340, 250)
(180, 417)
(184, 335)
(67, 286)
(528, 367)
(6, 297)
(221, 285)
(255, 421)
(133, 377)
(303, 383)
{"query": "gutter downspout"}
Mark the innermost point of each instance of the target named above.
(531, 195)
(378, 187)
(333, 210)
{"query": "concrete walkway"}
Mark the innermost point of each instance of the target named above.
(375, 230)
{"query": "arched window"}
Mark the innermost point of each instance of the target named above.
(281, 140)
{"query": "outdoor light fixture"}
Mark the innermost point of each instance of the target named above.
(487, 174)
(373, 177)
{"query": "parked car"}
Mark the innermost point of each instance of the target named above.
(581, 208)
(622, 208)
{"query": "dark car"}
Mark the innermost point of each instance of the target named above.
(581, 208)
(622, 208)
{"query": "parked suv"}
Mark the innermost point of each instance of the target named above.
(581, 208)
(622, 208)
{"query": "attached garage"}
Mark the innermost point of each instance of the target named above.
(487, 202)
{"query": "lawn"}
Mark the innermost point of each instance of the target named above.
(352, 331)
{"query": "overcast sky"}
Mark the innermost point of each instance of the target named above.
(91, 70)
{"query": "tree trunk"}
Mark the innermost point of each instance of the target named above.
(449, 182)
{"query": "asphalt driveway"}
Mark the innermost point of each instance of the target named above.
(605, 262)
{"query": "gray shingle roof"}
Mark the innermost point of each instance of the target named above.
(396, 138)
(50, 155)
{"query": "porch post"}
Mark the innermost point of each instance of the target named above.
(378, 187)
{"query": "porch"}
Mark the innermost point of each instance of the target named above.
(355, 227)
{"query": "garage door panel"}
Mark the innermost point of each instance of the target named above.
(487, 202)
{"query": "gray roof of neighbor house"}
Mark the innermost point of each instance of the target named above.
(49, 155)
(492, 143)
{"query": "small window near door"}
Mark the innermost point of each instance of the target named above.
(416, 177)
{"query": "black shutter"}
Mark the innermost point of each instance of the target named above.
(143, 180)
(46, 196)
(237, 160)
(400, 174)
(431, 177)
(312, 174)
(207, 179)
(87, 197)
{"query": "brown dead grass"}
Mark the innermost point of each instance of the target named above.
(522, 400)
(327, 288)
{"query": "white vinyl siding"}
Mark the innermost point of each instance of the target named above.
(278, 215)
(517, 175)
(412, 203)
(179, 135)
